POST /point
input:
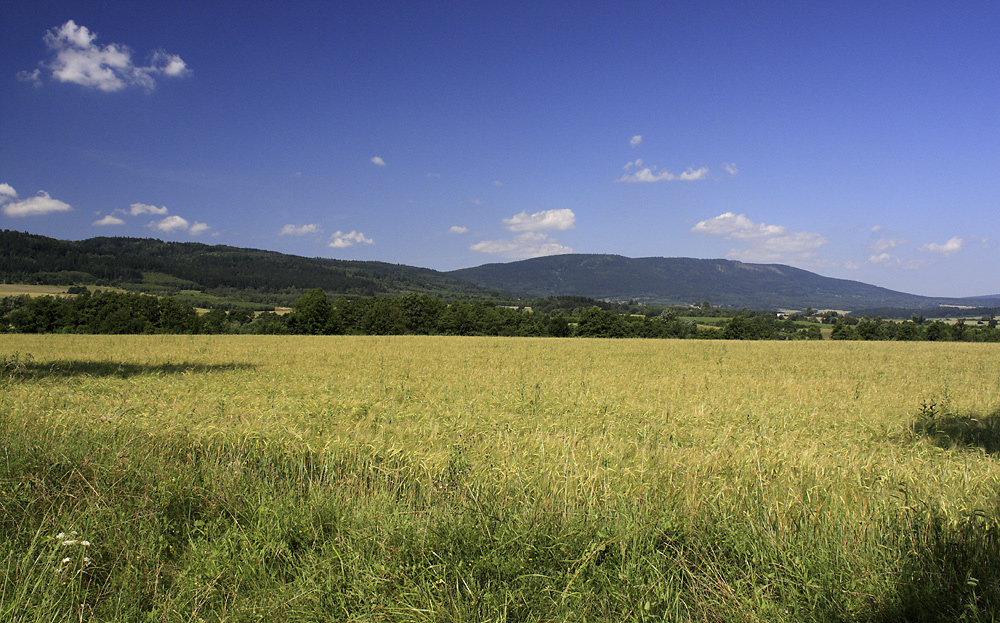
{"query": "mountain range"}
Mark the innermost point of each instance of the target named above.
(263, 278)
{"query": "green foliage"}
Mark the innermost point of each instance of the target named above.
(249, 275)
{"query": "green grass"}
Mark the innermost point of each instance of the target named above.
(248, 478)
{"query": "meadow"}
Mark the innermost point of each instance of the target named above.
(259, 478)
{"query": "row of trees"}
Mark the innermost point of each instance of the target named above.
(420, 314)
(916, 329)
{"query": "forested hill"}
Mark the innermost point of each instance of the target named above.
(666, 281)
(251, 275)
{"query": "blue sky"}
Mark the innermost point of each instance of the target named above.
(859, 140)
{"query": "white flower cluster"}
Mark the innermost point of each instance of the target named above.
(70, 540)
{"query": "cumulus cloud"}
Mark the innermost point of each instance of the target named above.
(141, 208)
(730, 168)
(77, 58)
(532, 242)
(762, 243)
(38, 205)
(546, 220)
(523, 246)
(953, 246)
(378, 161)
(110, 219)
(458, 229)
(737, 226)
(198, 228)
(300, 230)
(171, 223)
(650, 174)
(635, 140)
(340, 240)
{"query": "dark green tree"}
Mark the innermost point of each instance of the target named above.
(312, 314)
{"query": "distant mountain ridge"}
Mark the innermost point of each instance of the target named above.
(260, 277)
(678, 280)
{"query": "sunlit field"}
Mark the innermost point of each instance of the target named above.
(246, 478)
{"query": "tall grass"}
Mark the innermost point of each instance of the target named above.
(359, 478)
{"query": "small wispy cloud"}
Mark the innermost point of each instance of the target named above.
(497, 183)
(458, 229)
(635, 140)
(39, 205)
(730, 168)
(546, 220)
(951, 247)
(78, 59)
(885, 244)
(377, 161)
(300, 230)
(340, 240)
(650, 174)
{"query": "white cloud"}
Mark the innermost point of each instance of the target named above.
(477, 202)
(78, 59)
(378, 161)
(559, 220)
(738, 226)
(301, 230)
(764, 243)
(458, 229)
(730, 168)
(171, 223)
(651, 175)
(884, 244)
(635, 163)
(883, 258)
(340, 240)
(34, 78)
(110, 219)
(522, 246)
(38, 205)
(497, 183)
(954, 245)
(142, 208)
(198, 228)
(635, 140)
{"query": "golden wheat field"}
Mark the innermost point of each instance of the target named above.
(814, 450)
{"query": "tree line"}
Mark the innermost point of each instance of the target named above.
(315, 313)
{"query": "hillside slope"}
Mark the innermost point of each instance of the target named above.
(253, 275)
(660, 280)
